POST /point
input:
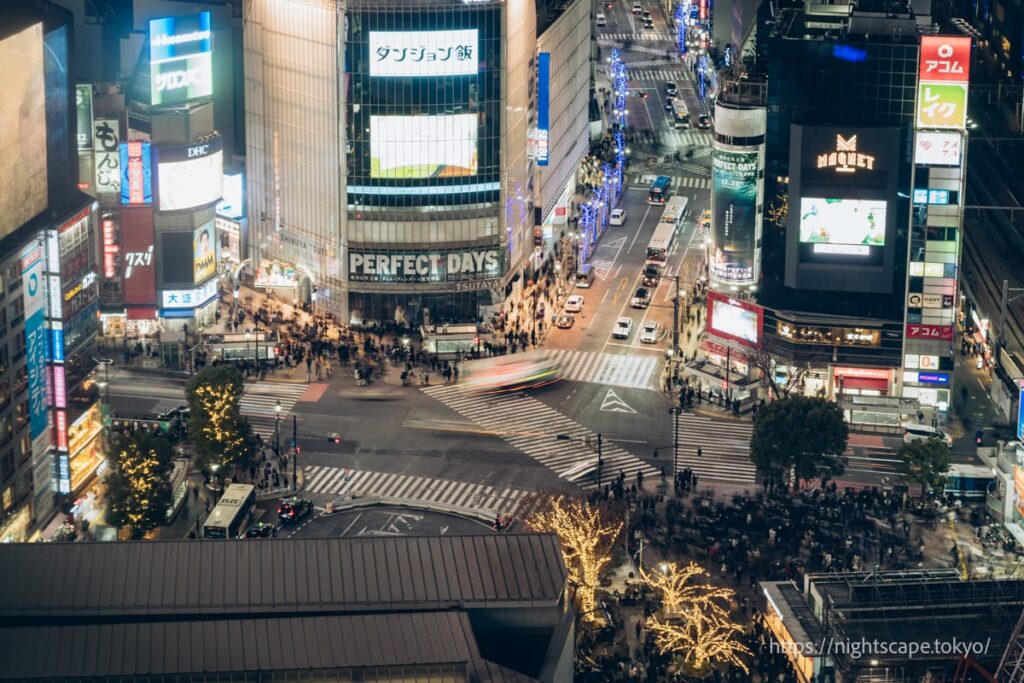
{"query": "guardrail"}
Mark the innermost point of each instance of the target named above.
(275, 492)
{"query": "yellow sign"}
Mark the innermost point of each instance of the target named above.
(846, 158)
(942, 105)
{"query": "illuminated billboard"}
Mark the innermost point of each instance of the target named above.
(543, 107)
(847, 222)
(935, 148)
(190, 176)
(734, 319)
(416, 147)
(204, 252)
(106, 136)
(136, 173)
(83, 111)
(942, 105)
(35, 336)
(180, 59)
(23, 184)
(139, 274)
(733, 215)
(945, 58)
(411, 54)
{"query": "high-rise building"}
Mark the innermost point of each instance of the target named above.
(389, 173)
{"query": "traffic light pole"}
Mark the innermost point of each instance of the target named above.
(295, 455)
(675, 321)
(675, 441)
(600, 462)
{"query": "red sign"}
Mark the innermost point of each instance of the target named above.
(943, 332)
(945, 58)
(62, 430)
(862, 373)
(139, 270)
(110, 248)
(734, 319)
(722, 350)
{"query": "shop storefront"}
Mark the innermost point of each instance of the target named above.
(85, 445)
(125, 326)
(861, 381)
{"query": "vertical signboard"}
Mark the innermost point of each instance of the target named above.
(943, 77)
(32, 279)
(139, 274)
(83, 109)
(56, 373)
(734, 215)
(180, 58)
(1020, 412)
(136, 173)
(107, 145)
(110, 247)
(543, 106)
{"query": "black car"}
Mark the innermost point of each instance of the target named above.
(294, 508)
(703, 122)
(669, 103)
(261, 530)
(181, 412)
(671, 88)
(652, 276)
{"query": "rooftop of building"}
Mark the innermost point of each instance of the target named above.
(852, 21)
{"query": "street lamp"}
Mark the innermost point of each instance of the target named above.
(277, 429)
(214, 467)
(247, 336)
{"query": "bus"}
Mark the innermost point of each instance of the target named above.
(661, 242)
(232, 514)
(658, 194)
(968, 481)
(680, 114)
(675, 210)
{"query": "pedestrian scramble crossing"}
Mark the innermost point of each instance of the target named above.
(646, 35)
(464, 497)
(533, 427)
(631, 371)
(725, 449)
(258, 403)
(677, 183)
(637, 74)
(700, 140)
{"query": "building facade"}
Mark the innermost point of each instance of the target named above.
(397, 189)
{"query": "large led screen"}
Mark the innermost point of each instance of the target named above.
(414, 147)
(410, 54)
(734, 319)
(842, 221)
(190, 176)
(22, 129)
(180, 58)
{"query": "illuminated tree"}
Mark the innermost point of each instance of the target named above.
(219, 434)
(587, 534)
(139, 486)
(694, 621)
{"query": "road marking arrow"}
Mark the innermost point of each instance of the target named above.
(612, 403)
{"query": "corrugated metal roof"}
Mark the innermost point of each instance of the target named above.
(261, 576)
(316, 643)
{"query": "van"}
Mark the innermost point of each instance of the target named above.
(602, 21)
(918, 432)
(585, 276)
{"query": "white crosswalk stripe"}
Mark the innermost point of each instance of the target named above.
(468, 497)
(638, 74)
(531, 426)
(258, 403)
(633, 371)
(646, 35)
(678, 182)
(725, 449)
(700, 140)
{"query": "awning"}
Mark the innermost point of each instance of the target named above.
(141, 313)
(863, 383)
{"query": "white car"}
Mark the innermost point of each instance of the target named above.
(623, 326)
(641, 299)
(602, 21)
(637, 8)
(649, 333)
(574, 304)
(922, 432)
(618, 217)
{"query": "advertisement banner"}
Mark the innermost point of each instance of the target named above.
(111, 248)
(734, 319)
(410, 54)
(136, 173)
(204, 252)
(107, 145)
(190, 176)
(188, 298)
(933, 148)
(543, 106)
(419, 147)
(273, 273)
(139, 269)
(1020, 418)
(35, 336)
(733, 215)
(1018, 482)
(424, 267)
(945, 58)
(942, 105)
(83, 109)
(180, 58)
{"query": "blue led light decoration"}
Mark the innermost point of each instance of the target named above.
(680, 17)
(702, 83)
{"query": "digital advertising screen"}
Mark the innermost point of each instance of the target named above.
(176, 259)
(190, 176)
(734, 319)
(844, 222)
(734, 214)
(416, 147)
(136, 173)
(23, 183)
(412, 54)
(180, 58)
(137, 252)
(204, 252)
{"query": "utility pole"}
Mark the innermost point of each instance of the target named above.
(295, 455)
(600, 461)
(675, 321)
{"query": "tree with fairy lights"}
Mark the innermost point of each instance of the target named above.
(139, 485)
(221, 437)
(587, 534)
(694, 621)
